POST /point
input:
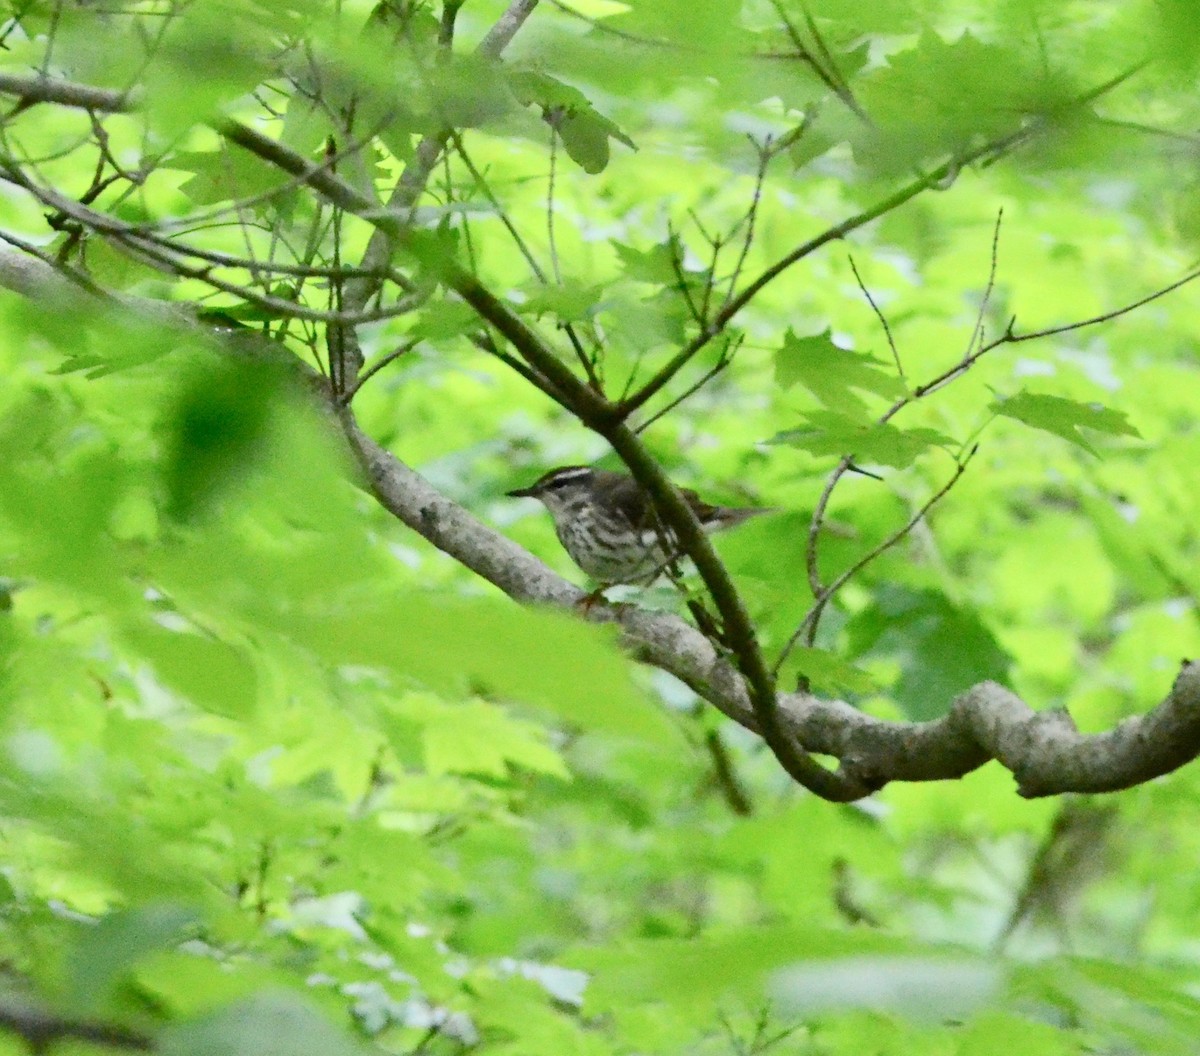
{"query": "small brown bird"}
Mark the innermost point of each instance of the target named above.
(607, 524)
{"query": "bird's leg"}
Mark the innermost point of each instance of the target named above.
(585, 603)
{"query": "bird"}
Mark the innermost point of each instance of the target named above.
(608, 525)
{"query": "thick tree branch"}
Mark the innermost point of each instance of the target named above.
(1044, 751)
(603, 417)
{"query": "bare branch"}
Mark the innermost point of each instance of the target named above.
(808, 626)
(378, 365)
(723, 361)
(933, 178)
(887, 330)
(760, 175)
(1010, 337)
(31, 90)
(977, 330)
(507, 26)
(1042, 749)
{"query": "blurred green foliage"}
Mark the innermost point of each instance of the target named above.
(278, 777)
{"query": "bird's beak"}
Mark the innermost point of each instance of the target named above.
(522, 493)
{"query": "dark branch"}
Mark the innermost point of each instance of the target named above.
(41, 1029)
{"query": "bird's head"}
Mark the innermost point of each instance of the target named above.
(561, 488)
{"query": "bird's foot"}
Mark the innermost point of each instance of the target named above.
(588, 601)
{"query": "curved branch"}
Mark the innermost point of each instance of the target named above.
(1043, 750)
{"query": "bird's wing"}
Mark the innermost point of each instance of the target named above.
(634, 504)
(631, 501)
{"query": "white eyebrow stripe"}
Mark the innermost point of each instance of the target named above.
(565, 476)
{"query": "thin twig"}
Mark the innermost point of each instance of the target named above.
(808, 626)
(391, 357)
(977, 331)
(817, 522)
(932, 178)
(550, 205)
(828, 77)
(726, 357)
(939, 382)
(67, 271)
(842, 89)
(493, 200)
(674, 244)
(586, 361)
(1010, 337)
(760, 175)
(887, 330)
(725, 776)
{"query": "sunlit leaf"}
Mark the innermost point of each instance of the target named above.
(834, 433)
(834, 375)
(826, 672)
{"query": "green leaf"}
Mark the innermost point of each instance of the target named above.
(269, 1024)
(585, 132)
(479, 738)
(443, 319)
(1000, 1033)
(834, 375)
(218, 430)
(572, 669)
(943, 649)
(206, 58)
(661, 264)
(932, 99)
(201, 668)
(829, 673)
(464, 91)
(1065, 418)
(570, 302)
(695, 973)
(109, 950)
(834, 433)
(224, 175)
